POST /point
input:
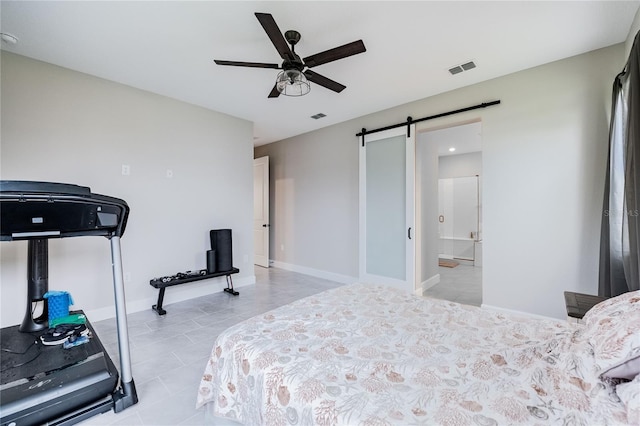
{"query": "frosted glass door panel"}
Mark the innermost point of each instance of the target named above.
(386, 207)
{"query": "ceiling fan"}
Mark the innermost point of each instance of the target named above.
(292, 80)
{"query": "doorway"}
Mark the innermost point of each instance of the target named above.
(449, 171)
(261, 211)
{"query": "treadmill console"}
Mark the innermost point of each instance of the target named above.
(56, 210)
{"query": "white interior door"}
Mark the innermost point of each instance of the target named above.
(387, 208)
(261, 211)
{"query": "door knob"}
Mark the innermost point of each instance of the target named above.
(265, 225)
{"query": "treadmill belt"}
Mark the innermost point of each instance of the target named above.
(22, 359)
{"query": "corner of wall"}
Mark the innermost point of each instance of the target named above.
(635, 28)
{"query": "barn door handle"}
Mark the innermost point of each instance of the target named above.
(265, 225)
(409, 233)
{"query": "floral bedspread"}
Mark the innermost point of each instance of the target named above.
(371, 355)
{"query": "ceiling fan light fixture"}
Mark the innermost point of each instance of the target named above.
(292, 83)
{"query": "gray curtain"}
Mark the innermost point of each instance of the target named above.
(620, 234)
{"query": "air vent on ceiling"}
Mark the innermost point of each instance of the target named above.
(318, 116)
(464, 67)
(468, 66)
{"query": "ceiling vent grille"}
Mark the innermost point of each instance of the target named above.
(460, 68)
(468, 66)
(318, 116)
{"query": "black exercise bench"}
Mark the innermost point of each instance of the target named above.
(187, 277)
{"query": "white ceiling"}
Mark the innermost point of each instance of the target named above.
(168, 48)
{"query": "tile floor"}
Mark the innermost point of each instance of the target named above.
(462, 284)
(169, 353)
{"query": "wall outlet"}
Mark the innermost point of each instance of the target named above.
(127, 277)
(169, 173)
(126, 170)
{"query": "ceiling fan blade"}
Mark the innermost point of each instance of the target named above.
(247, 64)
(274, 33)
(274, 92)
(334, 54)
(324, 81)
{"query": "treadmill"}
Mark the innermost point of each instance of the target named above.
(48, 384)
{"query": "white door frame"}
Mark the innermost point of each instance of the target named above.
(261, 224)
(409, 283)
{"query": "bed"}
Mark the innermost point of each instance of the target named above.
(370, 355)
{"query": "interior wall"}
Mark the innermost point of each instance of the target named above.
(635, 27)
(314, 203)
(63, 126)
(544, 155)
(461, 165)
(427, 170)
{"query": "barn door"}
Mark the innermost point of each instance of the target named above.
(387, 208)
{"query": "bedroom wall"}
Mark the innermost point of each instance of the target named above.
(63, 126)
(427, 208)
(635, 27)
(544, 154)
(314, 204)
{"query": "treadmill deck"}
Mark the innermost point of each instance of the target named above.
(43, 382)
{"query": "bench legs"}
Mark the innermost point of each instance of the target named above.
(158, 307)
(229, 288)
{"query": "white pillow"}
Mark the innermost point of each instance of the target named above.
(629, 394)
(612, 328)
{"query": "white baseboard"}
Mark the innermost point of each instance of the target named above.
(331, 276)
(520, 313)
(426, 285)
(173, 295)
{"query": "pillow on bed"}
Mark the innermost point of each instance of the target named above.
(612, 328)
(629, 394)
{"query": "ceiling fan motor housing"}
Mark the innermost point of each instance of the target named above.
(293, 65)
(293, 37)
